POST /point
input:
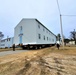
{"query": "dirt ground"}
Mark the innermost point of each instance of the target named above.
(47, 61)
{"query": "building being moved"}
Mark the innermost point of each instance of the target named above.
(30, 32)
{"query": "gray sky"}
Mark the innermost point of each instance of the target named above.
(46, 11)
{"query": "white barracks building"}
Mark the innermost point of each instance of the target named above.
(8, 42)
(32, 32)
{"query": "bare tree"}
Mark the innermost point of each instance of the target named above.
(73, 35)
(1, 36)
(58, 37)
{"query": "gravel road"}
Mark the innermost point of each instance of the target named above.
(11, 52)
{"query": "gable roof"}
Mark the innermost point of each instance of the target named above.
(37, 21)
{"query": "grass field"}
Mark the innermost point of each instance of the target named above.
(47, 61)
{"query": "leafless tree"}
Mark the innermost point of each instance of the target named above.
(58, 37)
(1, 36)
(73, 35)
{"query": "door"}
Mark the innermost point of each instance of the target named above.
(20, 38)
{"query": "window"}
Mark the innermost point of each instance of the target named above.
(9, 39)
(53, 40)
(2, 44)
(21, 28)
(39, 36)
(43, 29)
(47, 31)
(38, 26)
(44, 37)
(47, 38)
(2, 40)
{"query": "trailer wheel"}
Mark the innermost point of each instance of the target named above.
(36, 47)
(40, 47)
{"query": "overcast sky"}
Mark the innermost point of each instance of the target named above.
(46, 11)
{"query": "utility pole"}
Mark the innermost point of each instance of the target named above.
(61, 31)
(61, 24)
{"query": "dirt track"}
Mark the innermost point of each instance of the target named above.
(52, 64)
(42, 62)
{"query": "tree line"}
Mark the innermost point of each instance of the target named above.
(66, 40)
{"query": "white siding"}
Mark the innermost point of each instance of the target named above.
(6, 43)
(31, 30)
(43, 31)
